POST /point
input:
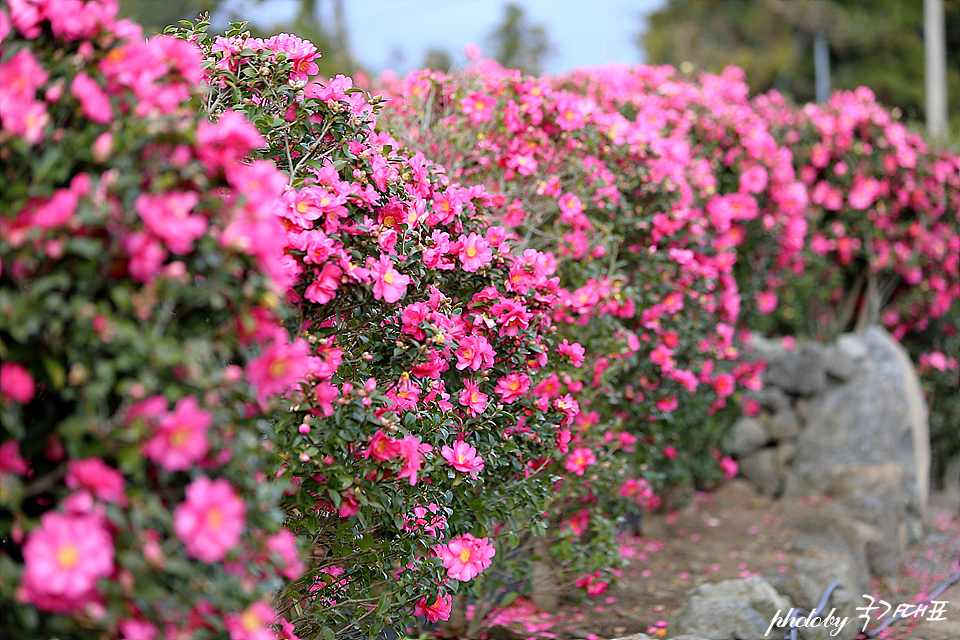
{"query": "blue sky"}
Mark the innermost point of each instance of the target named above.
(584, 32)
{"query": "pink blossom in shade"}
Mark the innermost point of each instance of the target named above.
(137, 629)
(255, 623)
(211, 520)
(102, 480)
(474, 352)
(472, 398)
(766, 301)
(181, 438)
(16, 382)
(462, 457)
(411, 319)
(389, 284)
(10, 459)
(465, 557)
(287, 631)
(410, 452)
(579, 459)
(56, 211)
(512, 386)
(168, 216)
(474, 252)
(592, 583)
(283, 544)
(670, 452)
(63, 560)
(382, 447)
(753, 180)
(668, 404)
(324, 288)
(226, 141)
(574, 352)
(279, 368)
(724, 384)
(93, 100)
(569, 407)
(439, 610)
(147, 256)
(640, 491)
(728, 466)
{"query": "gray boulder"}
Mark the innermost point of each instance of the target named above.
(784, 425)
(763, 469)
(748, 435)
(731, 609)
(876, 416)
(802, 371)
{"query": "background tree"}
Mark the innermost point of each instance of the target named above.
(437, 59)
(876, 43)
(518, 45)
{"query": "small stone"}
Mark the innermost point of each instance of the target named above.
(763, 469)
(748, 435)
(731, 609)
(773, 398)
(785, 452)
(852, 346)
(784, 425)
(802, 371)
(802, 407)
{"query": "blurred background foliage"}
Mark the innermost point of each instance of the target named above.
(875, 43)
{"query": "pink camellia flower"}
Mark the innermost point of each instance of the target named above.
(474, 352)
(592, 583)
(10, 459)
(284, 545)
(137, 629)
(512, 386)
(465, 557)
(382, 447)
(16, 382)
(63, 560)
(167, 215)
(729, 467)
(574, 352)
(670, 452)
(640, 492)
(439, 610)
(478, 107)
(724, 385)
(668, 404)
(181, 439)
(211, 519)
(226, 141)
(579, 459)
(279, 368)
(103, 481)
(389, 284)
(462, 457)
(324, 288)
(474, 252)
(766, 301)
(93, 100)
(472, 398)
(300, 53)
(255, 623)
(410, 452)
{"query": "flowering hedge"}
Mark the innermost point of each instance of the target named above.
(140, 269)
(421, 335)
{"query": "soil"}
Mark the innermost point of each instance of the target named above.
(734, 533)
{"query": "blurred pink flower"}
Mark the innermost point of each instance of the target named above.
(211, 520)
(16, 382)
(63, 560)
(255, 623)
(181, 438)
(105, 482)
(439, 610)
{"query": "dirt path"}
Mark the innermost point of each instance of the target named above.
(734, 534)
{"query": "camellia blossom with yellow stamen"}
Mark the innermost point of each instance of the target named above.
(211, 520)
(63, 560)
(465, 557)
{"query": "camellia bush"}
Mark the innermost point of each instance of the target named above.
(141, 273)
(431, 435)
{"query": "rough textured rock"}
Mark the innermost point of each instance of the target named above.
(808, 578)
(879, 496)
(876, 416)
(838, 362)
(763, 469)
(852, 346)
(748, 435)
(833, 532)
(731, 609)
(773, 398)
(784, 425)
(802, 371)
(761, 348)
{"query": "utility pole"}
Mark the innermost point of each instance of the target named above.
(934, 44)
(821, 65)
